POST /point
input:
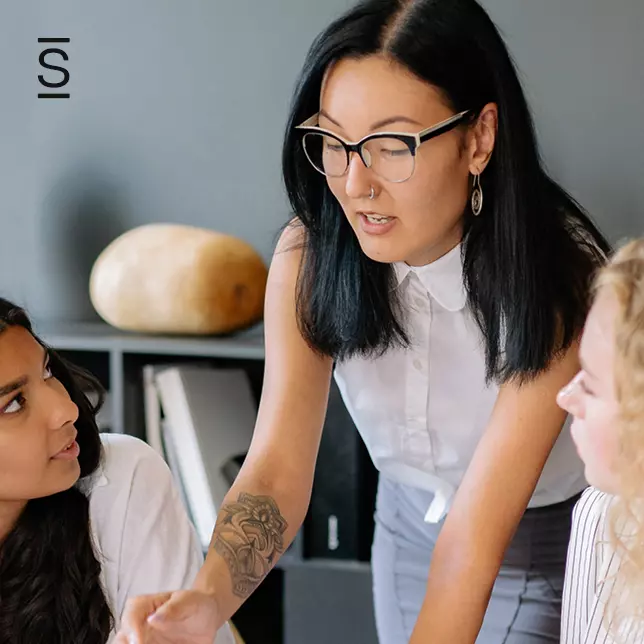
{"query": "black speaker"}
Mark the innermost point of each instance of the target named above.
(339, 523)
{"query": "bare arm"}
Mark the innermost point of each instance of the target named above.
(489, 504)
(268, 501)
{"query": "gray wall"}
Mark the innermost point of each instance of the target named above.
(177, 112)
(581, 64)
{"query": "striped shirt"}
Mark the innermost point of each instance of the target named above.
(590, 572)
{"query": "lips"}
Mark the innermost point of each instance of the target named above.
(68, 444)
(372, 213)
(375, 217)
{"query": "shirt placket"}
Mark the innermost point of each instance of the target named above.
(417, 443)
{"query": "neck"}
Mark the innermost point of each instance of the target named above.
(440, 248)
(10, 512)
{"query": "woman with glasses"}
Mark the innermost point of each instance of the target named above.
(441, 276)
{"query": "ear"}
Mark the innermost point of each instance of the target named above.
(482, 138)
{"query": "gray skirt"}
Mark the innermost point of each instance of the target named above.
(525, 607)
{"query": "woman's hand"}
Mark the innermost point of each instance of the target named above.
(182, 617)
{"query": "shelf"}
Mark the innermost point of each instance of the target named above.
(98, 336)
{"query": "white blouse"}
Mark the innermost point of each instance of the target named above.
(591, 568)
(421, 411)
(142, 534)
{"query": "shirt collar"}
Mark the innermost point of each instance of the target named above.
(443, 278)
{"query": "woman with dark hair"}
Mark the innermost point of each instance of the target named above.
(86, 520)
(437, 271)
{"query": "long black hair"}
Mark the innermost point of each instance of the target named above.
(528, 258)
(50, 590)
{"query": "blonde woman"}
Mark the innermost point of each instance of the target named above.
(604, 587)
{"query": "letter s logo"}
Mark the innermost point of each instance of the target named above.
(46, 65)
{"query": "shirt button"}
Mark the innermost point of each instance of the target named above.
(418, 365)
(420, 302)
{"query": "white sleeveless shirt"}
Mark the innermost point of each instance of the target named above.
(421, 411)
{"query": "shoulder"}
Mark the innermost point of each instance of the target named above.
(128, 464)
(289, 251)
(123, 453)
(293, 237)
(287, 259)
(589, 538)
(590, 511)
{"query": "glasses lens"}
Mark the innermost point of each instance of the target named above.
(389, 158)
(326, 154)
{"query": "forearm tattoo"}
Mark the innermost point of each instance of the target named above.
(249, 535)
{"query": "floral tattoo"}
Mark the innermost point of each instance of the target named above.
(250, 536)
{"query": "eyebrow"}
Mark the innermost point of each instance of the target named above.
(5, 390)
(9, 388)
(399, 118)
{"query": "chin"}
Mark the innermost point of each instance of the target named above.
(602, 481)
(381, 251)
(65, 478)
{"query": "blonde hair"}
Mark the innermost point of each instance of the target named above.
(624, 276)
